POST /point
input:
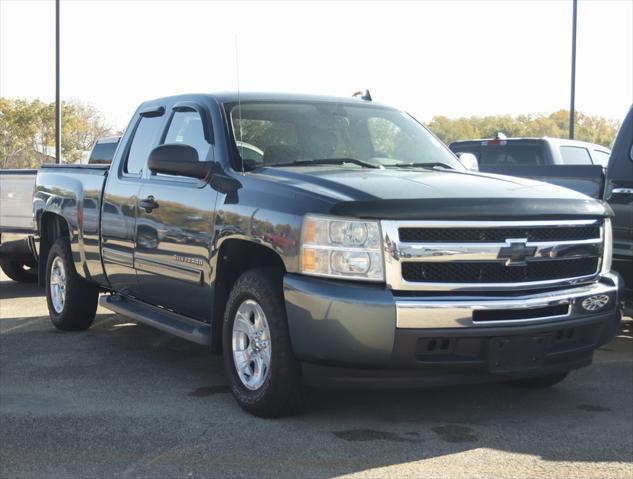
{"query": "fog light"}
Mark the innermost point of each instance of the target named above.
(596, 302)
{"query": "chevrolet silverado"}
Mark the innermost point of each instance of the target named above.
(326, 240)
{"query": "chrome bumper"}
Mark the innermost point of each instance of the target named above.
(457, 311)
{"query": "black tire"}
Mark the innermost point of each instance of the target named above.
(18, 271)
(281, 393)
(540, 382)
(80, 304)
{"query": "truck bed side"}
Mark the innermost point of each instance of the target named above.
(586, 179)
(16, 190)
(68, 198)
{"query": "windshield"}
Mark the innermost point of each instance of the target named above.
(307, 133)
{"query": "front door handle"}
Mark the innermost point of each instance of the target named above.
(622, 191)
(148, 204)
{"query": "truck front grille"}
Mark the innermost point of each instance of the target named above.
(480, 256)
(496, 272)
(486, 235)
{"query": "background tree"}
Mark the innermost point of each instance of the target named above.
(27, 131)
(594, 129)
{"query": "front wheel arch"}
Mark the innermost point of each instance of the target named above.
(235, 257)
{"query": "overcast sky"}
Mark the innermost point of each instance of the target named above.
(430, 58)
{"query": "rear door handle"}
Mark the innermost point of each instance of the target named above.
(622, 191)
(148, 204)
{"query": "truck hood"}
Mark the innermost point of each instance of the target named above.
(435, 194)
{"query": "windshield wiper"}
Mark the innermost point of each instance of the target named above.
(429, 165)
(328, 161)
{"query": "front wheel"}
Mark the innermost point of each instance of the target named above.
(72, 301)
(264, 376)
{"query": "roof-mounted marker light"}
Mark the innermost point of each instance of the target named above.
(499, 139)
(363, 96)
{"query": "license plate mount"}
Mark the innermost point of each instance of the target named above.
(520, 353)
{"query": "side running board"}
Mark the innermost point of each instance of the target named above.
(173, 323)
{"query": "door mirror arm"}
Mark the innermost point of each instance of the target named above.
(221, 181)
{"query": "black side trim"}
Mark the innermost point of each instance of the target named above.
(173, 323)
(95, 167)
(18, 171)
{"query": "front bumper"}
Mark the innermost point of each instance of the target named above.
(365, 331)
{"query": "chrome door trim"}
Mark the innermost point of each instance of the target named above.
(116, 256)
(165, 268)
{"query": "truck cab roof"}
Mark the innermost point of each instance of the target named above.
(234, 97)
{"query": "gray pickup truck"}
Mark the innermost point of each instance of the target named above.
(326, 240)
(573, 164)
(17, 246)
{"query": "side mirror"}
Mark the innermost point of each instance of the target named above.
(469, 161)
(180, 160)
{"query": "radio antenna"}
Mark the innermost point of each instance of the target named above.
(240, 148)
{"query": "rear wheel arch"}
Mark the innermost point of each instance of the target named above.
(51, 227)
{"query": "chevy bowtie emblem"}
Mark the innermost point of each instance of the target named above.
(516, 252)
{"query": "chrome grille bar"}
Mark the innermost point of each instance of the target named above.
(397, 252)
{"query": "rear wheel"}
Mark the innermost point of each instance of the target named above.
(18, 271)
(264, 376)
(540, 382)
(72, 301)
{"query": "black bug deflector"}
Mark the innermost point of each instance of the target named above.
(475, 209)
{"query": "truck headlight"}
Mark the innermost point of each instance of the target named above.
(607, 254)
(341, 248)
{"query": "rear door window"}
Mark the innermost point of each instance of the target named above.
(186, 128)
(575, 155)
(145, 138)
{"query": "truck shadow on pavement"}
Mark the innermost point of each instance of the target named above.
(130, 378)
(11, 290)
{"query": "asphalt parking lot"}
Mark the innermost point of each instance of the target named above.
(123, 400)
